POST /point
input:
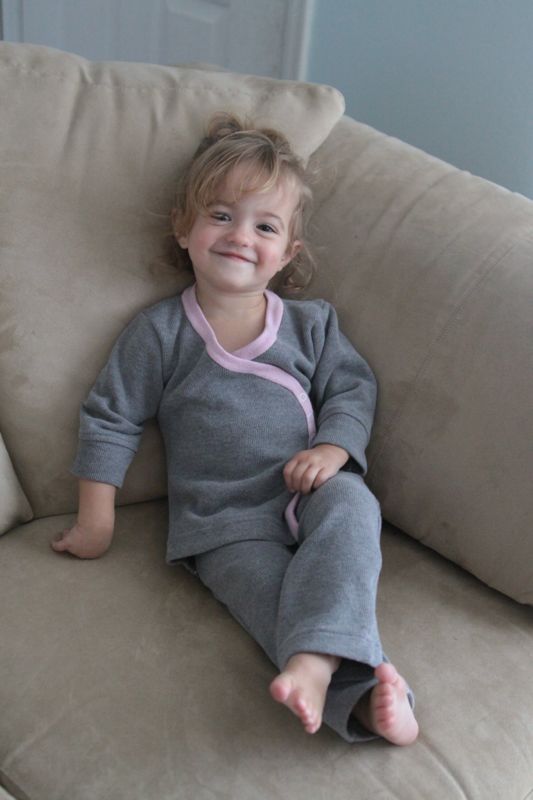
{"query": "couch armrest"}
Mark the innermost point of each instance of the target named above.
(431, 270)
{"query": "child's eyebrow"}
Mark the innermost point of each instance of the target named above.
(271, 215)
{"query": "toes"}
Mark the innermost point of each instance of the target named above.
(304, 701)
(383, 697)
(392, 714)
(308, 716)
(59, 546)
(386, 673)
(280, 689)
(386, 718)
(313, 723)
(386, 700)
(300, 706)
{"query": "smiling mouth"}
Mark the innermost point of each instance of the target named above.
(236, 257)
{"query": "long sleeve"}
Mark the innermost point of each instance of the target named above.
(127, 393)
(343, 393)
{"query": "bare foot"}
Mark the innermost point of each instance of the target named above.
(385, 710)
(303, 684)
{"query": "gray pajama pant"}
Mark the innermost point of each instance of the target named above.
(317, 597)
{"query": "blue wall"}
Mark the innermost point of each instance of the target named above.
(454, 77)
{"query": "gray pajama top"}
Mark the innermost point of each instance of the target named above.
(229, 421)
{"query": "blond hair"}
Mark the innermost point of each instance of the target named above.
(265, 158)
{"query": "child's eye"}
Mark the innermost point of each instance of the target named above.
(264, 226)
(220, 216)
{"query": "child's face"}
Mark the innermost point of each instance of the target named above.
(238, 245)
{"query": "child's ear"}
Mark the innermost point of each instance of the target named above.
(292, 250)
(181, 239)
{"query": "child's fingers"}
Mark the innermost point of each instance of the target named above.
(302, 476)
(305, 471)
(323, 475)
(66, 541)
(60, 542)
(308, 478)
(80, 545)
(315, 478)
(288, 474)
(294, 472)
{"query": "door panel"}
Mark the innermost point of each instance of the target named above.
(264, 38)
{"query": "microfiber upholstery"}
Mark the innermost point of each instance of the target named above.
(430, 268)
(129, 681)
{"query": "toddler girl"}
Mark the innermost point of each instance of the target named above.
(265, 409)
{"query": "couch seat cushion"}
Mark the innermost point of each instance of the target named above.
(123, 679)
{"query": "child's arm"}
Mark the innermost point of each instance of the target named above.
(343, 393)
(92, 533)
(126, 393)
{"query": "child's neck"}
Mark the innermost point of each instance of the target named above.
(236, 320)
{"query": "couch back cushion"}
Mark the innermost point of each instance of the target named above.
(89, 158)
(431, 270)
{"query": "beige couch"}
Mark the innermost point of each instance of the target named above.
(122, 678)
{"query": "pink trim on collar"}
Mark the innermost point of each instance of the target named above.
(237, 363)
(266, 338)
(273, 317)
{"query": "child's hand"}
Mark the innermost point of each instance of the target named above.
(83, 541)
(309, 469)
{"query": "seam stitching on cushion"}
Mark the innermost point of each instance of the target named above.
(294, 85)
(447, 326)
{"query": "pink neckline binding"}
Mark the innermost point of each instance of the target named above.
(266, 338)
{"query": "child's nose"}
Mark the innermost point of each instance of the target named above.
(240, 234)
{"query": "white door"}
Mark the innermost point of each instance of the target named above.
(263, 37)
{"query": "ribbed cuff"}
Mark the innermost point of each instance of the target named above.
(102, 461)
(347, 432)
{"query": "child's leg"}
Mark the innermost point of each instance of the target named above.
(313, 603)
(247, 577)
(327, 606)
(328, 598)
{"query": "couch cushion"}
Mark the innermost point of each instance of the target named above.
(14, 506)
(89, 156)
(430, 268)
(123, 679)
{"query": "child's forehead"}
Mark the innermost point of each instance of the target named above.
(240, 181)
